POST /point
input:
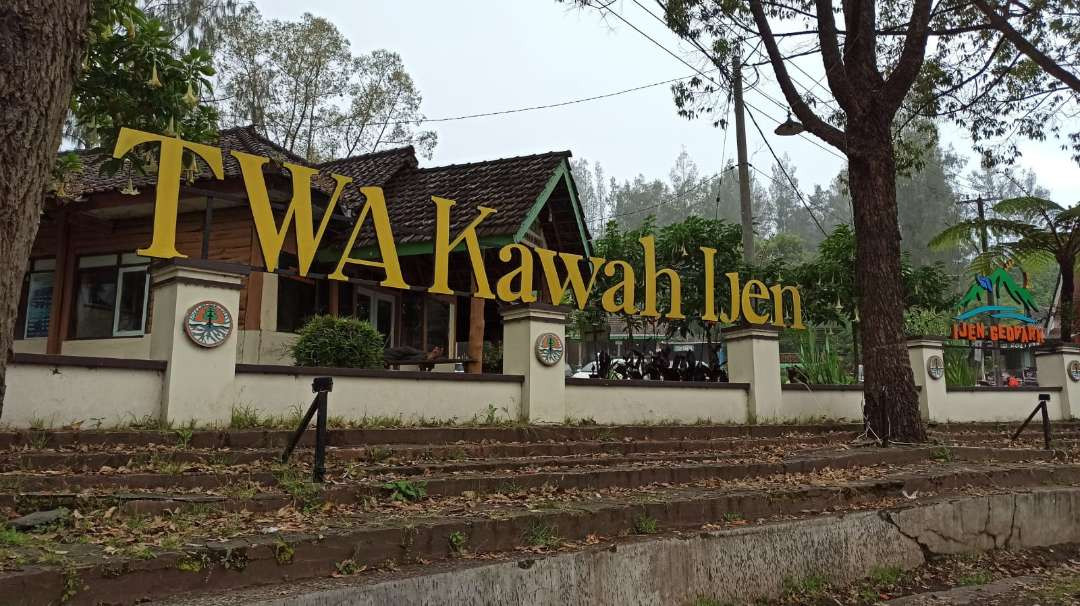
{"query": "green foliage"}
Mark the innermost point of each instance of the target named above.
(406, 490)
(493, 358)
(305, 494)
(959, 372)
(457, 541)
(11, 537)
(821, 365)
(135, 76)
(979, 577)
(539, 534)
(338, 343)
(645, 524)
(942, 454)
(1027, 231)
(922, 322)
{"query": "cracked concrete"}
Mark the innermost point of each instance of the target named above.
(738, 565)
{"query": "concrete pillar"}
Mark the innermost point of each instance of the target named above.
(753, 354)
(543, 395)
(927, 355)
(198, 379)
(1058, 365)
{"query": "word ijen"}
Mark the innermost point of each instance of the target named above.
(516, 285)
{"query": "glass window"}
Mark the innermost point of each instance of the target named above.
(384, 318)
(38, 304)
(296, 302)
(412, 320)
(437, 329)
(110, 297)
(131, 301)
(95, 302)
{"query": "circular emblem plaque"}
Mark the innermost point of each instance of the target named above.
(935, 367)
(549, 349)
(1074, 370)
(208, 324)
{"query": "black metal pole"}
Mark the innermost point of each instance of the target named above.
(299, 433)
(1046, 423)
(1025, 424)
(319, 473)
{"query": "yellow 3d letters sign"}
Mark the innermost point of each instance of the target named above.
(562, 272)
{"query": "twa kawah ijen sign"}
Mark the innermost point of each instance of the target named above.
(747, 300)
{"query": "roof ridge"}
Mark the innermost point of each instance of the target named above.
(386, 152)
(564, 153)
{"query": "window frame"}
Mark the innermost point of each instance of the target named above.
(121, 270)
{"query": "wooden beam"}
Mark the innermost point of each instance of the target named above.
(476, 336)
(332, 304)
(55, 340)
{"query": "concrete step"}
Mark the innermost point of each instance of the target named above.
(453, 479)
(75, 461)
(712, 564)
(277, 438)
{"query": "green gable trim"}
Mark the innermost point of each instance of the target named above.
(561, 175)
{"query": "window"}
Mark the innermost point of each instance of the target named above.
(111, 293)
(377, 308)
(426, 322)
(35, 302)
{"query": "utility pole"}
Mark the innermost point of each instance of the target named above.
(745, 210)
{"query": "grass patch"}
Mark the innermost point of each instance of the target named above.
(979, 577)
(305, 494)
(12, 538)
(810, 587)
(645, 524)
(942, 454)
(539, 534)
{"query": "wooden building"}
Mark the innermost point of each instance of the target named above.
(86, 291)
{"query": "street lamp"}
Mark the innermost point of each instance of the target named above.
(789, 128)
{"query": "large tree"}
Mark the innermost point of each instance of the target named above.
(300, 85)
(877, 80)
(99, 65)
(42, 44)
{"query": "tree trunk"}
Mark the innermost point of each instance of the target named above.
(42, 43)
(1068, 311)
(891, 406)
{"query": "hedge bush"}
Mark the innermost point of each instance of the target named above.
(339, 343)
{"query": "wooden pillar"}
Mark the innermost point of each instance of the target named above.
(61, 276)
(332, 304)
(476, 336)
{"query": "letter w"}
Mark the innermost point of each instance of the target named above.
(271, 237)
(572, 263)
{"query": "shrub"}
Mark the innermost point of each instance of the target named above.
(493, 358)
(338, 342)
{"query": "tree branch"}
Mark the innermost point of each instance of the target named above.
(828, 133)
(835, 70)
(911, 57)
(1023, 45)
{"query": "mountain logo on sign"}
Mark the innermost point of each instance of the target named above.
(998, 281)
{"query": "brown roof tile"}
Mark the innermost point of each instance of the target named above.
(509, 185)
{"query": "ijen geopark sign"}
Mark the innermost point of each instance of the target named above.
(1015, 326)
(562, 271)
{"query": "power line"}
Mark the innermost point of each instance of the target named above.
(790, 180)
(676, 56)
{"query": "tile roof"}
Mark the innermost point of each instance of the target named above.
(509, 185)
(246, 139)
(375, 168)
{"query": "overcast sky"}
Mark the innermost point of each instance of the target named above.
(474, 56)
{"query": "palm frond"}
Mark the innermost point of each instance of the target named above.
(1028, 208)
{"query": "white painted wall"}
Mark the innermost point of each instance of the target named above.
(606, 404)
(59, 395)
(806, 402)
(35, 346)
(993, 405)
(409, 398)
(134, 348)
